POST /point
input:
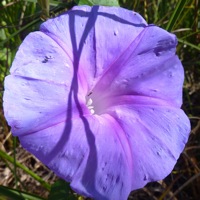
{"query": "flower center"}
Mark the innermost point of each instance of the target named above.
(90, 106)
(96, 103)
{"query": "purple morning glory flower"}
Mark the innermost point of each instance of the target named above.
(96, 96)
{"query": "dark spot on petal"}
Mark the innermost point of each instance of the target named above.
(27, 99)
(164, 46)
(115, 32)
(118, 179)
(158, 153)
(104, 188)
(46, 59)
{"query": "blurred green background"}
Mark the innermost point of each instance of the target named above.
(22, 176)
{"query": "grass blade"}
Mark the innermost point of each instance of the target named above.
(20, 30)
(189, 44)
(16, 194)
(175, 15)
(32, 174)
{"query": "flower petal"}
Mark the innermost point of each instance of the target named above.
(31, 105)
(148, 67)
(156, 134)
(89, 152)
(39, 91)
(83, 33)
(39, 57)
(134, 80)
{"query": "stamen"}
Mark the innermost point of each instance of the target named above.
(90, 106)
(89, 102)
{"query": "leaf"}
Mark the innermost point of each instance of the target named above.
(98, 2)
(61, 190)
